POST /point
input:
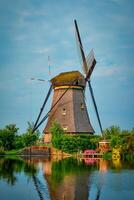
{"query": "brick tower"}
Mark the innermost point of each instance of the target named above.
(71, 111)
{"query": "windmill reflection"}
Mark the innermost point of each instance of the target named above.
(72, 179)
(68, 178)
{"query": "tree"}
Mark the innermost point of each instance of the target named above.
(130, 143)
(8, 135)
(94, 140)
(19, 142)
(111, 131)
(29, 137)
(116, 141)
(57, 135)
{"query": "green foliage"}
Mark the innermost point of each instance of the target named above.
(72, 143)
(79, 142)
(30, 138)
(12, 152)
(57, 135)
(129, 141)
(111, 131)
(19, 142)
(69, 144)
(56, 129)
(107, 156)
(116, 141)
(120, 139)
(9, 139)
(129, 156)
(7, 136)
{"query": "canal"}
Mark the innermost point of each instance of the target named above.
(35, 178)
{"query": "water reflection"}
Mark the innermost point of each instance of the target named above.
(67, 179)
(9, 167)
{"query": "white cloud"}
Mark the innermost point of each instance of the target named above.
(106, 71)
(44, 50)
(69, 63)
(123, 71)
(27, 13)
(66, 43)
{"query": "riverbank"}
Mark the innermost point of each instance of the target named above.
(55, 153)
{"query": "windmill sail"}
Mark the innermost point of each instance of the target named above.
(90, 58)
(91, 62)
(80, 48)
(88, 64)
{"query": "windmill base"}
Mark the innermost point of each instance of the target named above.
(47, 138)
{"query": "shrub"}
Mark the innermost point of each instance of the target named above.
(57, 135)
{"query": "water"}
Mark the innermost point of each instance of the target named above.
(38, 178)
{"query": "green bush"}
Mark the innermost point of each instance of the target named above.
(7, 136)
(107, 156)
(69, 144)
(72, 143)
(57, 135)
(10, 140)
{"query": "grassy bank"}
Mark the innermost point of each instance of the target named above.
(11, 152)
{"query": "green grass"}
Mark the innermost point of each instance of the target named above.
(18, 151)
(12, 152)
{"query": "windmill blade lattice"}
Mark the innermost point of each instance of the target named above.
(80, 49)
(88, 66)
(90, 58)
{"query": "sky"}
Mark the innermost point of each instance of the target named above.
(32, 30)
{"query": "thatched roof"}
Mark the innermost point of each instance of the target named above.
(67, 78)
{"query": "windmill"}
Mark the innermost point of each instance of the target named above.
(68, 105)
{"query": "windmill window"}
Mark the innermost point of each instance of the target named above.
(77, 82)
(64, 111)
(82, 106)
(65, 128)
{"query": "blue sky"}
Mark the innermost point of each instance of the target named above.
(32, 30)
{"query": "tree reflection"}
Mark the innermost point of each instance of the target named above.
(10, 167)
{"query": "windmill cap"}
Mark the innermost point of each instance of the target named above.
(68, 78)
